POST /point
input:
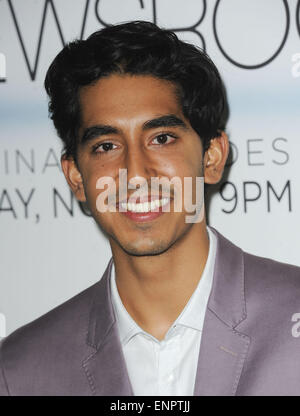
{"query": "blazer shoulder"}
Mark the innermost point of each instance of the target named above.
(46, 356)
(3, 383)
(53, 331)
(271, 269)
(273, 281)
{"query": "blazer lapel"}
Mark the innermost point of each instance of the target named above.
(223, 349)
(105, 368)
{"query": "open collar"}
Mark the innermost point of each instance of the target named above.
(222, 351)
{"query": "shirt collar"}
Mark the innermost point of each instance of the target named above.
(128, 328)
(192, 316)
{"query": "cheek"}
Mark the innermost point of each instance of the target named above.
(93, 174)
(91, 194)
(187, 161)
(90, 189)
(194, 163)
(185, 166)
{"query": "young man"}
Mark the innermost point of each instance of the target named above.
(179, 310)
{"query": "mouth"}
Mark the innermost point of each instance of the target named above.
(146, 206)
(147, 209)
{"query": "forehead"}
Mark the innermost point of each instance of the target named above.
(126, 97)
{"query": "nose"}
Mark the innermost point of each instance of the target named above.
(137, 163)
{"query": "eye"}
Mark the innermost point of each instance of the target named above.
(164, 138)
(103, 147)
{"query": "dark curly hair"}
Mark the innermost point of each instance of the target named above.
(137, 48)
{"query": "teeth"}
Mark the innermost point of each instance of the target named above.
(144, 206)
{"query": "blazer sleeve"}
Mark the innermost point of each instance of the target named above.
(3, 384)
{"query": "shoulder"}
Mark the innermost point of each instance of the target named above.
(47, 355)
(267, 285)
(60, 319)
(270, 274)
(272, 293)
(260, 272)
(51, 333)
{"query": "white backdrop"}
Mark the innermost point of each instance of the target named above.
(51, 250)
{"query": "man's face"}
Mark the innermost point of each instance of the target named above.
(136, 123)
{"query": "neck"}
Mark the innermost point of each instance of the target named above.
(155, 289)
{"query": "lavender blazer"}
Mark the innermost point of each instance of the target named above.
(250, 342)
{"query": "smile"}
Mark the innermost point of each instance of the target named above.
(144, 206)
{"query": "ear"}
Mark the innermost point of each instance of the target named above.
(215, 158)
(73, 177)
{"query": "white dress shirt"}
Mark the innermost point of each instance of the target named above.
(167, 367)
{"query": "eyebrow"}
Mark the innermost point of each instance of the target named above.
(169, 120)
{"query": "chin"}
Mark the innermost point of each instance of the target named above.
(143, 249)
